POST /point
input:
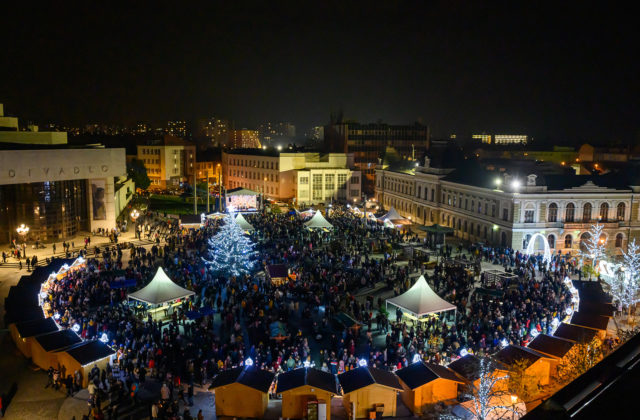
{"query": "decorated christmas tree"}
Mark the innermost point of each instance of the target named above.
(231, 252)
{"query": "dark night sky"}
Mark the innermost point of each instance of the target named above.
(565, 74)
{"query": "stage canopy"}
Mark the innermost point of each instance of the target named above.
(318, 222)
(421, 300)
(395, 217)
(161, 290)
(242, 222)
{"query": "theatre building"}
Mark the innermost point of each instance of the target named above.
(56, 190)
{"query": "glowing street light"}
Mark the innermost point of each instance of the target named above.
(515, 184)
(23, 230)
(135, 214)
(248, 362)
(362, 362)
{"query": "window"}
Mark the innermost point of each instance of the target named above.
(568, 241)
(432, 194)
(586, 212)
(570, 212)
(505, 214)
(329, 181)
(552, 241)
(342, 181)
(621, 211)
(304, 180)
(619, 239)
(317, 187)
(553, 212)
(493, 211)
(355, 180)
(604, 212)
(528, 216)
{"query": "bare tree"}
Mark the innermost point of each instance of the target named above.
(582, 357)
(490, 397)
(594, 246)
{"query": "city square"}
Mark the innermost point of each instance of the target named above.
(338, 210)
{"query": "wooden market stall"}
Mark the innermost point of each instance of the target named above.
(427, 383)
(278, 274)
(559, 349)
(45, 347)
(24, 333)
(305, 388)
(469, 368)
(242, 392)
(535, 364)
(83, 357)
(368, 389)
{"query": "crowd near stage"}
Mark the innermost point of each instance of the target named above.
(302, 309)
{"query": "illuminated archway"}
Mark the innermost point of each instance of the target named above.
(547, 250)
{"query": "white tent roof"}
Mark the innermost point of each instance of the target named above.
(421, 300)
(242, 222)
(318, 221)
(161, 289)
(392, 215)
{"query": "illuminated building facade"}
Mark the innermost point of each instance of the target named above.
(306, 177)
(368, 142)
(508, 209)
(169, 161)
(244, 139)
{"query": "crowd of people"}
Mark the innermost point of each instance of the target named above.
(282, 327)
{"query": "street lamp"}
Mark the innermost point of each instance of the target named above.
(23, 230)
(135, 214)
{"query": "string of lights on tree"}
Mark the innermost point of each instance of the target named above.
(231, 252)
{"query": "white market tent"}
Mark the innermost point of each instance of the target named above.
(318, 222)
(421, 300)
(160, 290)
(394, 216)
(242, 222)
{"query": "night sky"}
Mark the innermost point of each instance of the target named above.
(563, 73)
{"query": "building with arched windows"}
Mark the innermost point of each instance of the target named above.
(506, 208)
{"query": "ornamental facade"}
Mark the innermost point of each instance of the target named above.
(509, 208)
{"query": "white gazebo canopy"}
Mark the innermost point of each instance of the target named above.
(160, 290)
(318, 222)
(421, 300)
(392, 215)
(242, 222)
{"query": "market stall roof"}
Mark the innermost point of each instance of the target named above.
(36, 327)
(587, 320)
(58, 340)
(553, 346)
(249, 376)
(436, 228)
(242, 222)
(240, 191)
(89, 352)
(417, 374)
(277, 270)
(318, 221)
(421, 300)
(575, 333)
(307, 376)
(467, 366)
(160, 290)
(512, 354)
(363, 376)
